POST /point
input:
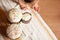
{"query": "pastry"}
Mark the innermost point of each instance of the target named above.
(14, 31)
(26, 17)
(14, 15)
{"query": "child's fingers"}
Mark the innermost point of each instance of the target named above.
(36, 8)
(22, 5)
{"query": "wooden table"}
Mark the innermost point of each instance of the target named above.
(50, 12)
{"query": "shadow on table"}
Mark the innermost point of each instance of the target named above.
(3, 23)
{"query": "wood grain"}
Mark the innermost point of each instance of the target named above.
(50, 12)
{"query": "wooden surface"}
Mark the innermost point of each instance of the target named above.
(50, 12)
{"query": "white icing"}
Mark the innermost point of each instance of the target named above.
(26, 17)
(15, 15)
(14, 31)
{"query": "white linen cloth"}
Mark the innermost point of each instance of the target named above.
(7, 4)
(37, 29)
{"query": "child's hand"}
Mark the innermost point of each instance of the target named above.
(22, 5)
(36, 7)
